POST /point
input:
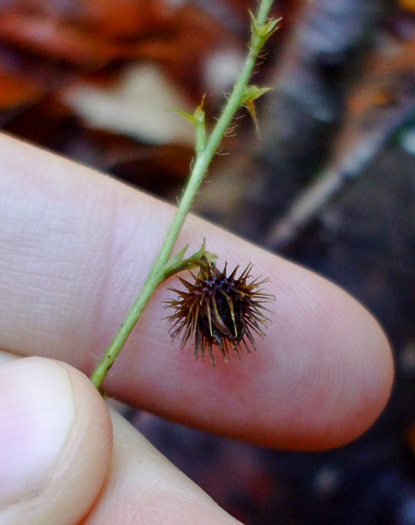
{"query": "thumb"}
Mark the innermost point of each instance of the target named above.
(55, 443)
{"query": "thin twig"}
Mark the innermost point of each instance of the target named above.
(206, 149)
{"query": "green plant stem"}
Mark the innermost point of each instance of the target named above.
(205, 153)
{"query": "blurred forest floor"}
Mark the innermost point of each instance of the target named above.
(330, 184)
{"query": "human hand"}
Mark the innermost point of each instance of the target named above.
(75, 247)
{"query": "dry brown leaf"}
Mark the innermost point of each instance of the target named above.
(52, 38)
(17, 91)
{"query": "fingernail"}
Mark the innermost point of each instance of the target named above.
(37, 413)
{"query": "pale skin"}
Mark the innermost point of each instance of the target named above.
(75, 246)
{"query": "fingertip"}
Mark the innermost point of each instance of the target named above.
(367, 378)
(60, 441)
(352, 371)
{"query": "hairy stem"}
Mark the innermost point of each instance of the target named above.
(205, 151)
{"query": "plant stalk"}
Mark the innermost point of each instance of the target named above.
(204, 155)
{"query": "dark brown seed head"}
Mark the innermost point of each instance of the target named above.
(217, 309)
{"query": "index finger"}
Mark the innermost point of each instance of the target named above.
(75, 248)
